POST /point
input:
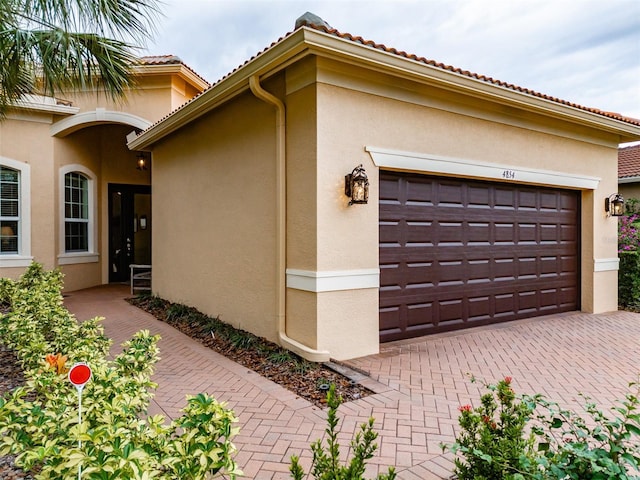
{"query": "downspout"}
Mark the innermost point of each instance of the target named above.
(281, 228)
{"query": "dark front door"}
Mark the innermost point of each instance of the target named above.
(129, 229)
(459, 253)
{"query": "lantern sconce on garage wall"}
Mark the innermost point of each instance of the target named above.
(141, 161)
(614, 205)
(356, 186)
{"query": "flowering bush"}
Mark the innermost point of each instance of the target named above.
(628, 233)
(561, 445)
(492, 442)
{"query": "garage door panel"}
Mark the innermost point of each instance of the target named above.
(455, 253)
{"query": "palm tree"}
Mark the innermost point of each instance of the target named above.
(51, 45)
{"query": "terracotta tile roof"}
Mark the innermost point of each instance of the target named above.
(169, 60)
(629, 162)
(378, 46)
(347, 36)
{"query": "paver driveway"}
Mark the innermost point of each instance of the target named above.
(421, 383)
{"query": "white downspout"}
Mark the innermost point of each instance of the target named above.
(281, 232)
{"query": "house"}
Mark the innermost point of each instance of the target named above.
(72, 196)
(486, 200)
(629, 175)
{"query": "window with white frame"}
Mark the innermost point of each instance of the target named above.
(9, 211)
(15, 213)
(77, 214)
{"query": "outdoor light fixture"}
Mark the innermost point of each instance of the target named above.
(614, 205)
(141, 163)
(356, 186)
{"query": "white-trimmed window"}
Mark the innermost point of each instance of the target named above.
(15, 214)
(77, 232)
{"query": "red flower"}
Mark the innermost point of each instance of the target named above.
(464, 408)
(507, 380)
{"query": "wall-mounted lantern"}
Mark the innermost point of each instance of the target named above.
(614, 205)
(356, 186)
(141, 161)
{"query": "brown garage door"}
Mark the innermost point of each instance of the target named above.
(458, 253)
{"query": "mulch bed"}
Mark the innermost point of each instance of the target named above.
(306, 379)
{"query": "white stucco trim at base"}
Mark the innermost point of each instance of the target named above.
(472, 168)
(606, 264)
(8, 261)
(72, 258)
(331, 281)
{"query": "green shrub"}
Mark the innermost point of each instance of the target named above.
(115, 440)
(598, 447)
(326, 460)
(629, 279)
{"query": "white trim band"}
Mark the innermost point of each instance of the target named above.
(331, 281)
(99, 116)
(606, 264)
(8, 261)
(472, 168)
(73, 258)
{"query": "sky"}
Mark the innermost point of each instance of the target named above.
(583, 51)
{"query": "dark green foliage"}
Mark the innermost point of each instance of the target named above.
(629, 279)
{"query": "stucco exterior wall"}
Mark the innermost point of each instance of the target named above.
(24, 138)
(214, 212)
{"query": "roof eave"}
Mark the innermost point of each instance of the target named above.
(633, 179)
(310, 41)
(266, 63)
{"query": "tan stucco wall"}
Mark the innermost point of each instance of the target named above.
(214, 214)
(154, 97)
(24, 138)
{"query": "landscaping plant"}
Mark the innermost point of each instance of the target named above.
(116, 439)
(492, 442)
(629, 269)
(497, 441)
(598, 447)
(326, 463)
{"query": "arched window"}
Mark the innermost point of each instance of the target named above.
(77, 236)
(15, 227)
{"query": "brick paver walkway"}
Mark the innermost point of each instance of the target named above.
(421, 383)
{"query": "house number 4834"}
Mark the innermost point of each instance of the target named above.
(510, 174)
